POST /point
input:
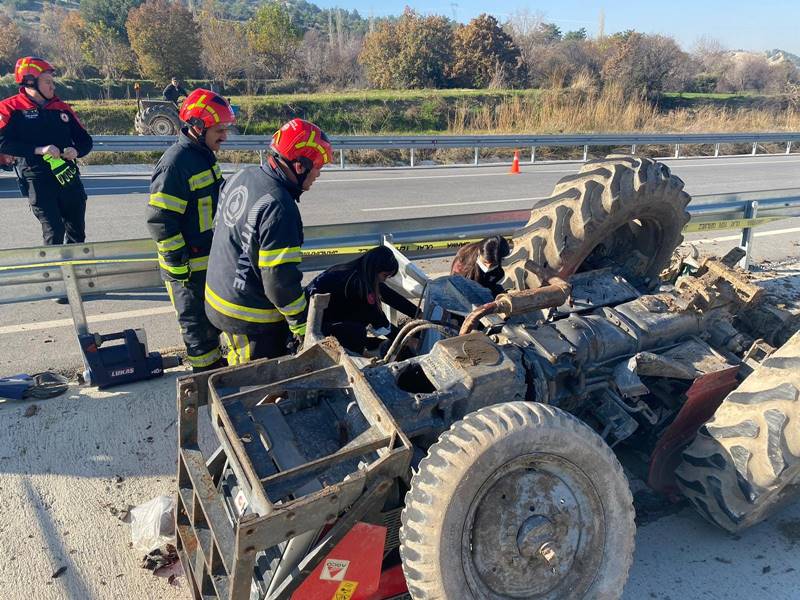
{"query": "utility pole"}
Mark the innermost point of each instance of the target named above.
(601, 25)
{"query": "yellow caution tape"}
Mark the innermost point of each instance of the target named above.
(407, 247)
(702, 226)
(82, 261)
(732, 224)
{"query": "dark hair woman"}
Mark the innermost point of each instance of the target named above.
(357, 292)
(483, 262)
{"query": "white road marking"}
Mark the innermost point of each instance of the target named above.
(127, 314)
(416, 206)
(731, 238)
(536, 171)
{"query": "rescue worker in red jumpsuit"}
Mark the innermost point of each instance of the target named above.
(46, 137)
(184, 192)
(254, 292)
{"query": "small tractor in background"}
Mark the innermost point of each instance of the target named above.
(482, 461)
(156, 117)
(160, 117)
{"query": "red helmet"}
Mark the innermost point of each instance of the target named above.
(205, 109)
(28, 69)
(302, 139)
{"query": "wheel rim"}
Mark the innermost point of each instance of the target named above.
(534, 530)
(162, 126)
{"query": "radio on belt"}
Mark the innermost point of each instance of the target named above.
(124, 362)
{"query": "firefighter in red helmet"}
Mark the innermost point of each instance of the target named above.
(45, 137)
(184, 191)
(253, 292)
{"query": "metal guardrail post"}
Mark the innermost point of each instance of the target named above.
(585, 153)
(633, 148)
(750, 212)
(677, 150)
(755, 149)
(788, 147)
(412, 156)
(716, 150)
(261, 157)
(533, 154)
(75, 304)
(74, 297)
(475, 160)
(341, 158)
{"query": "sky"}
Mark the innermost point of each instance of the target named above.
(754, 25)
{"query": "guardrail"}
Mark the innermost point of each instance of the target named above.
(132, 143)
(28, 274)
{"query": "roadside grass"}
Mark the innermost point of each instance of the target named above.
(384, 112)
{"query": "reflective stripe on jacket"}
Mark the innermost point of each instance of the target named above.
(254, 278)
(184, 192)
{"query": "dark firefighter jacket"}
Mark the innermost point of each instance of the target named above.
(24, 126)
(352, 299)
(254, 279)
(184, 192)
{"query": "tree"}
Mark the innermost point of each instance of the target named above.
(61, 36)
(9, 42)
(643, 64)
(331, 60)
(273, 39)
(548, 33)
(562, 64)
(484, 54)
(222, 46)
(747, 72)
(165, 39)
(112, 13)
(578, 34)
(108, 51)
(413, 52)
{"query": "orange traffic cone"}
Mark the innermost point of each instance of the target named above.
(515, 164)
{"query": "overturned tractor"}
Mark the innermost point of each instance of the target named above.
(479, 461)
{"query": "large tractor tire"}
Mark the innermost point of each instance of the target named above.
(138, 124)
(620, 211)
(161, 119)
(517, 500)
(744, 463)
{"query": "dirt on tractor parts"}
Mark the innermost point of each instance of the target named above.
(487, 453)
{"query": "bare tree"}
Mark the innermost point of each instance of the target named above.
(331, 61)
(748, 72)
(222, 45)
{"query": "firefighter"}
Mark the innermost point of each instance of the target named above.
(173, 91)
(45, 136)
(483, 262)
(184, 192)
(254, 292)
(357, 291)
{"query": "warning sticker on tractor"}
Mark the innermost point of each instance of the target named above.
(345, 590)
(334, 570)
(241, 502)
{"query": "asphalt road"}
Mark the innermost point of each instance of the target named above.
(68, 471)
(38, 335)
(117, 203)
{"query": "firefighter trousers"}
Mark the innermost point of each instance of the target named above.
(243, 348)
(200, 337)
(61, 210)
